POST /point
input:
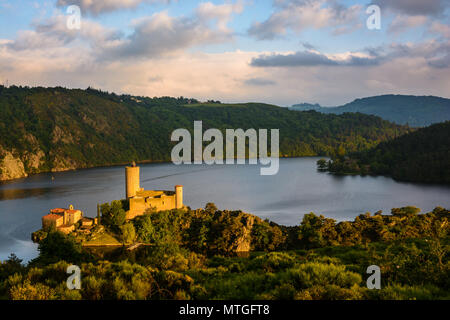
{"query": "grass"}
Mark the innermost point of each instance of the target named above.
(103, 239)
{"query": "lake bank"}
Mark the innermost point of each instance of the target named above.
(284, 198)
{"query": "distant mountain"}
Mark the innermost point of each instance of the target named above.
(416, 111)
(57, 129)
(420, 156)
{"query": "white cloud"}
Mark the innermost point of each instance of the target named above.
(403, 23)
(441, 29)
(170, 64)
(299, 15)
(96, 7)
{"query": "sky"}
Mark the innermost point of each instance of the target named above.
(273, 51)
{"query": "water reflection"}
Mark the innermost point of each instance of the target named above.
(11, 194)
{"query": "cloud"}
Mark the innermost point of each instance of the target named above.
(415, 7)
(308, 46)
(434, 53)
(313, 58)
(259, 82)
(53, 33)
(404, 22)
(298, 15)
(160, 57)
(161, 34)
(220, 76)
(441, 29)
(220, 13)
(96, 7)
(152, 36)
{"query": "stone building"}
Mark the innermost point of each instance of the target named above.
(61, 219)
(141, 200)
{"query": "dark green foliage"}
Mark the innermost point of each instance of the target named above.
(421, 156)
(411, 249)
(58, 246)
(322, 164)
(113, 215)
(87, 128)
(416, 111)
(8, 268)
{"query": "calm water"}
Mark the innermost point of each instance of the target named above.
(284, 198)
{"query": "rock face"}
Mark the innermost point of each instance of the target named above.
(14, 165)
(11, 166)
(243, 243)
(35, 160)
(62, 164)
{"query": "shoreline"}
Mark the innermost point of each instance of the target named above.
(123, 164)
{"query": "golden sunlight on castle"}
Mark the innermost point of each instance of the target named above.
(141, 200)
(65, 220)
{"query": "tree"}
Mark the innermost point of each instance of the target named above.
(11, 266)
(210, 207)
(128, 233)
(316, 231)
(57, 246)
(322, 165)
(145, 229)
(113, 214)
(405, 212)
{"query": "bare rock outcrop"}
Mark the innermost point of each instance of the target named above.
(11, 166)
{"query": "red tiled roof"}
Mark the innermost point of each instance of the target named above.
(58, 210)
(72, 211)
(52, 216)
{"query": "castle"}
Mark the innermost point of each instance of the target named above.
(141, 200)
(65, 220)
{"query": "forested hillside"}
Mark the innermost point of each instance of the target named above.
(416, 111)
(56, 129)
(422, 156)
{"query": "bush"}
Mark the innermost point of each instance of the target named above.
(318, 274)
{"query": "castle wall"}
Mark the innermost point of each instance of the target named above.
(48, 223)
(66, 228)
(72, 216)
(141, 200)
(139, 205)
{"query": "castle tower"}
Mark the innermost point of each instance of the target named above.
(179, 197)
(132, 180)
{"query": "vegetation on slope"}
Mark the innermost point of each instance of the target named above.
(54, 129)
(420, 156)
(416, 111)
(318, 259)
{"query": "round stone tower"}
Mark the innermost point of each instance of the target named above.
(179, 197)
(132, 180)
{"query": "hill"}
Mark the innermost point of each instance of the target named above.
(57, 129)
(420, 156)
(416, 111)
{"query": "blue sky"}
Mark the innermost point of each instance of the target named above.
(275, 51)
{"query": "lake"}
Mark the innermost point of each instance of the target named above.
(297, 189)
